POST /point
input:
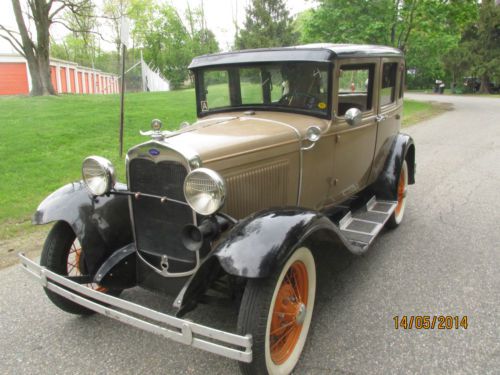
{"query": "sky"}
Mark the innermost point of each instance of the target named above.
(218, 13)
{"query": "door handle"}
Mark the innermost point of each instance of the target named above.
(381, 118)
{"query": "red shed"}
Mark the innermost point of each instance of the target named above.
(66, 77)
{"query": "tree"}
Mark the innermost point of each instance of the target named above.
(424, 29)
(36, 48)
(170, 45)
(140, 12)
(434, 38)
(202, 39)
(482, 41)
(387, 22)
(267, 24)
(81, 45)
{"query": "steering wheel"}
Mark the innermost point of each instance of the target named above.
(309, 102)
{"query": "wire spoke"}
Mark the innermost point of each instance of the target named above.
(284, 335)
(291, 285)
(72, 268)
(296, 288)
(284, 313)
(282, 327)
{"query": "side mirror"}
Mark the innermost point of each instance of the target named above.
(353, 116)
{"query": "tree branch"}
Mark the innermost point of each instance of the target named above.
(83, 31)
(27, 42)
(20, 51)
(51, 15)
(410, 26)
(12, 38)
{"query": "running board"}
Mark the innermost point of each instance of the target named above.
(362, 226)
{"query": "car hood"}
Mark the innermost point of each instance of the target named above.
(220, 137)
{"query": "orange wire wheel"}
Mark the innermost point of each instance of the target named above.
(277, 312)
(289, 312)
(401, 190)
(74, 265)
(397, 216)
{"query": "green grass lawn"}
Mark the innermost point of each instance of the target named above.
(415, 112)
(44, 140)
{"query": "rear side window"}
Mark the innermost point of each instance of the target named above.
(388, 92)
(355, 87)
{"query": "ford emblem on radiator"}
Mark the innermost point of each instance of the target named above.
(154, 152)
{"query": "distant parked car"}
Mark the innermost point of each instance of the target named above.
(472, 84)
(296, 152)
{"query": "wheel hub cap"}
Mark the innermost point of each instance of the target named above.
(301, 314)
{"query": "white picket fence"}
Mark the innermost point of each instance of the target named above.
(152, 79)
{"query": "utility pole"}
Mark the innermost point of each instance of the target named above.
(124, 36)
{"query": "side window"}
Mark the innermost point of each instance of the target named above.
(388, 91)
(355, 87)
(216, 90)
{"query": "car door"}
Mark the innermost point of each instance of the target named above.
(389, 111)
(353, 145)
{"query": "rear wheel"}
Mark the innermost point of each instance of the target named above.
(63, 255)
(398, 214)
(277, 312)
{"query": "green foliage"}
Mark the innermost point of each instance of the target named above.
(170, 46)
(479, 48)
(435, 36)
(349, 21)
(426, 30)
(267, 24)
(166, 45)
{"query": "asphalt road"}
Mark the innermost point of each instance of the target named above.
(443, 260)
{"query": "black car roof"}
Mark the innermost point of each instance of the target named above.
(309, 52)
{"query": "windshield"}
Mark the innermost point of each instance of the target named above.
(290, 86)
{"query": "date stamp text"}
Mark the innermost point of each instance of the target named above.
(431, 322)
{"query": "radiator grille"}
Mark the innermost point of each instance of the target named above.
(158, 225)
(256, 189)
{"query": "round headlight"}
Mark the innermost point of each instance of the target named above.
(205, 191)
(98, 174)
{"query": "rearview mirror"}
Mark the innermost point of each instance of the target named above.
(353, 116)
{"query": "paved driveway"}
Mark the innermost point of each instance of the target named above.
(443, 260)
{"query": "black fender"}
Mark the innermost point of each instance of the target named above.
(258, 246)
(119, 270)
(101, 224)
(261, 243)
(401, 147)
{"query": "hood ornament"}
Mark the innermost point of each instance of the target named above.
(156, 132)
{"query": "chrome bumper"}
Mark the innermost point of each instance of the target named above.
(184, 331)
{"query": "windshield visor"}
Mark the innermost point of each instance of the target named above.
(292, 86)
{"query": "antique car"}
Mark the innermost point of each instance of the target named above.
(295, 150)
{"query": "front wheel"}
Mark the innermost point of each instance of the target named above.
(63, 255)
(277, 312)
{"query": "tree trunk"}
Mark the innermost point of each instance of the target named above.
(37, 55)
(484, 88)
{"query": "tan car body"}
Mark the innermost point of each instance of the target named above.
(260, 153)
